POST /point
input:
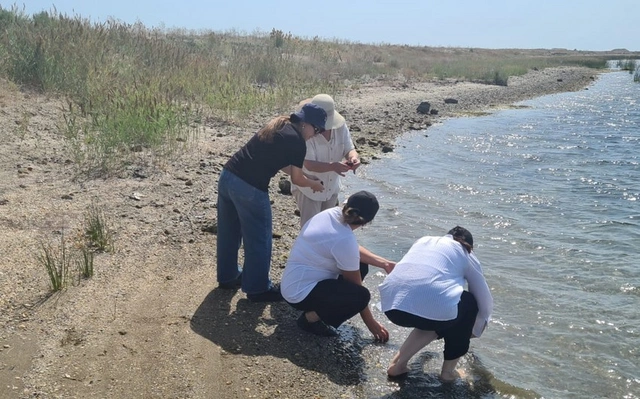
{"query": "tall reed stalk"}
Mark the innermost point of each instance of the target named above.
(57, 262)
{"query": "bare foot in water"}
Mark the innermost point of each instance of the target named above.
(450, 376)
(396, 370)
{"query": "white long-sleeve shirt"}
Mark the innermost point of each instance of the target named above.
(322, 150)
(430, 278)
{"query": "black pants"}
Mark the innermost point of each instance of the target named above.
(456, 332)
(336, 300)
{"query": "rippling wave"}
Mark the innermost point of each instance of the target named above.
(550, 193)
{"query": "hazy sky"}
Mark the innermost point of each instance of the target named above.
(570, 24)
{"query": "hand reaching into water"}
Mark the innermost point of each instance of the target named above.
(379, 332)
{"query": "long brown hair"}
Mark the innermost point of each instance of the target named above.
(266, 133)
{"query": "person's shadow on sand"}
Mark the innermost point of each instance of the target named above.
(246, 329)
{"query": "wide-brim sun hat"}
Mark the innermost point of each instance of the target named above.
(325, 101)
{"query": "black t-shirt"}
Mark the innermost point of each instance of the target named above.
(258, 161)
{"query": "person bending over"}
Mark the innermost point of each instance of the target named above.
(244, 208)
(425, 291)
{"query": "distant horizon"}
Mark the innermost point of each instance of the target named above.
(589, 25)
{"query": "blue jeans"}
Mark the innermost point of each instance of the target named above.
(244, 216)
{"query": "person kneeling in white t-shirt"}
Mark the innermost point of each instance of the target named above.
(323, 276)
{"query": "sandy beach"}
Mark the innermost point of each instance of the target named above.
(151, 323)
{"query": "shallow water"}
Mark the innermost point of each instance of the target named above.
(551, 193)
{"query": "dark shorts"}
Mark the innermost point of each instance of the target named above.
(456, 332)
(336, 300)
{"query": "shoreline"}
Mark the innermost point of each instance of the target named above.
(151, 321)
(379, 113)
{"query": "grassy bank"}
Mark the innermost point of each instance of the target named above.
(130, 90)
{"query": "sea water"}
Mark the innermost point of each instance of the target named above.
(551, 192)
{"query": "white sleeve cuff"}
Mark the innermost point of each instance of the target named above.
(479, 326)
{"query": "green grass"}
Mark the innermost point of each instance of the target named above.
(97, 232)
(84, 263)
(57, 263)
(66, 261)
(135, 94)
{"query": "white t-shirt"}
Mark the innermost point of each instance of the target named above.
(322, 150)
(430, 278)
(325, 247)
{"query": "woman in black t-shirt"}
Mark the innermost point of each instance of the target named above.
(244, 208)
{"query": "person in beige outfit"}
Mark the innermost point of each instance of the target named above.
(330, 155)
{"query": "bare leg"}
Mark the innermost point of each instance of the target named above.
(449, 372)
(416, 340)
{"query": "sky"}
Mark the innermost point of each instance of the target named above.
(595, 25)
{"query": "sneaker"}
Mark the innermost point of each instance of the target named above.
(233, 284)
(271, 295)
(318, 328)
